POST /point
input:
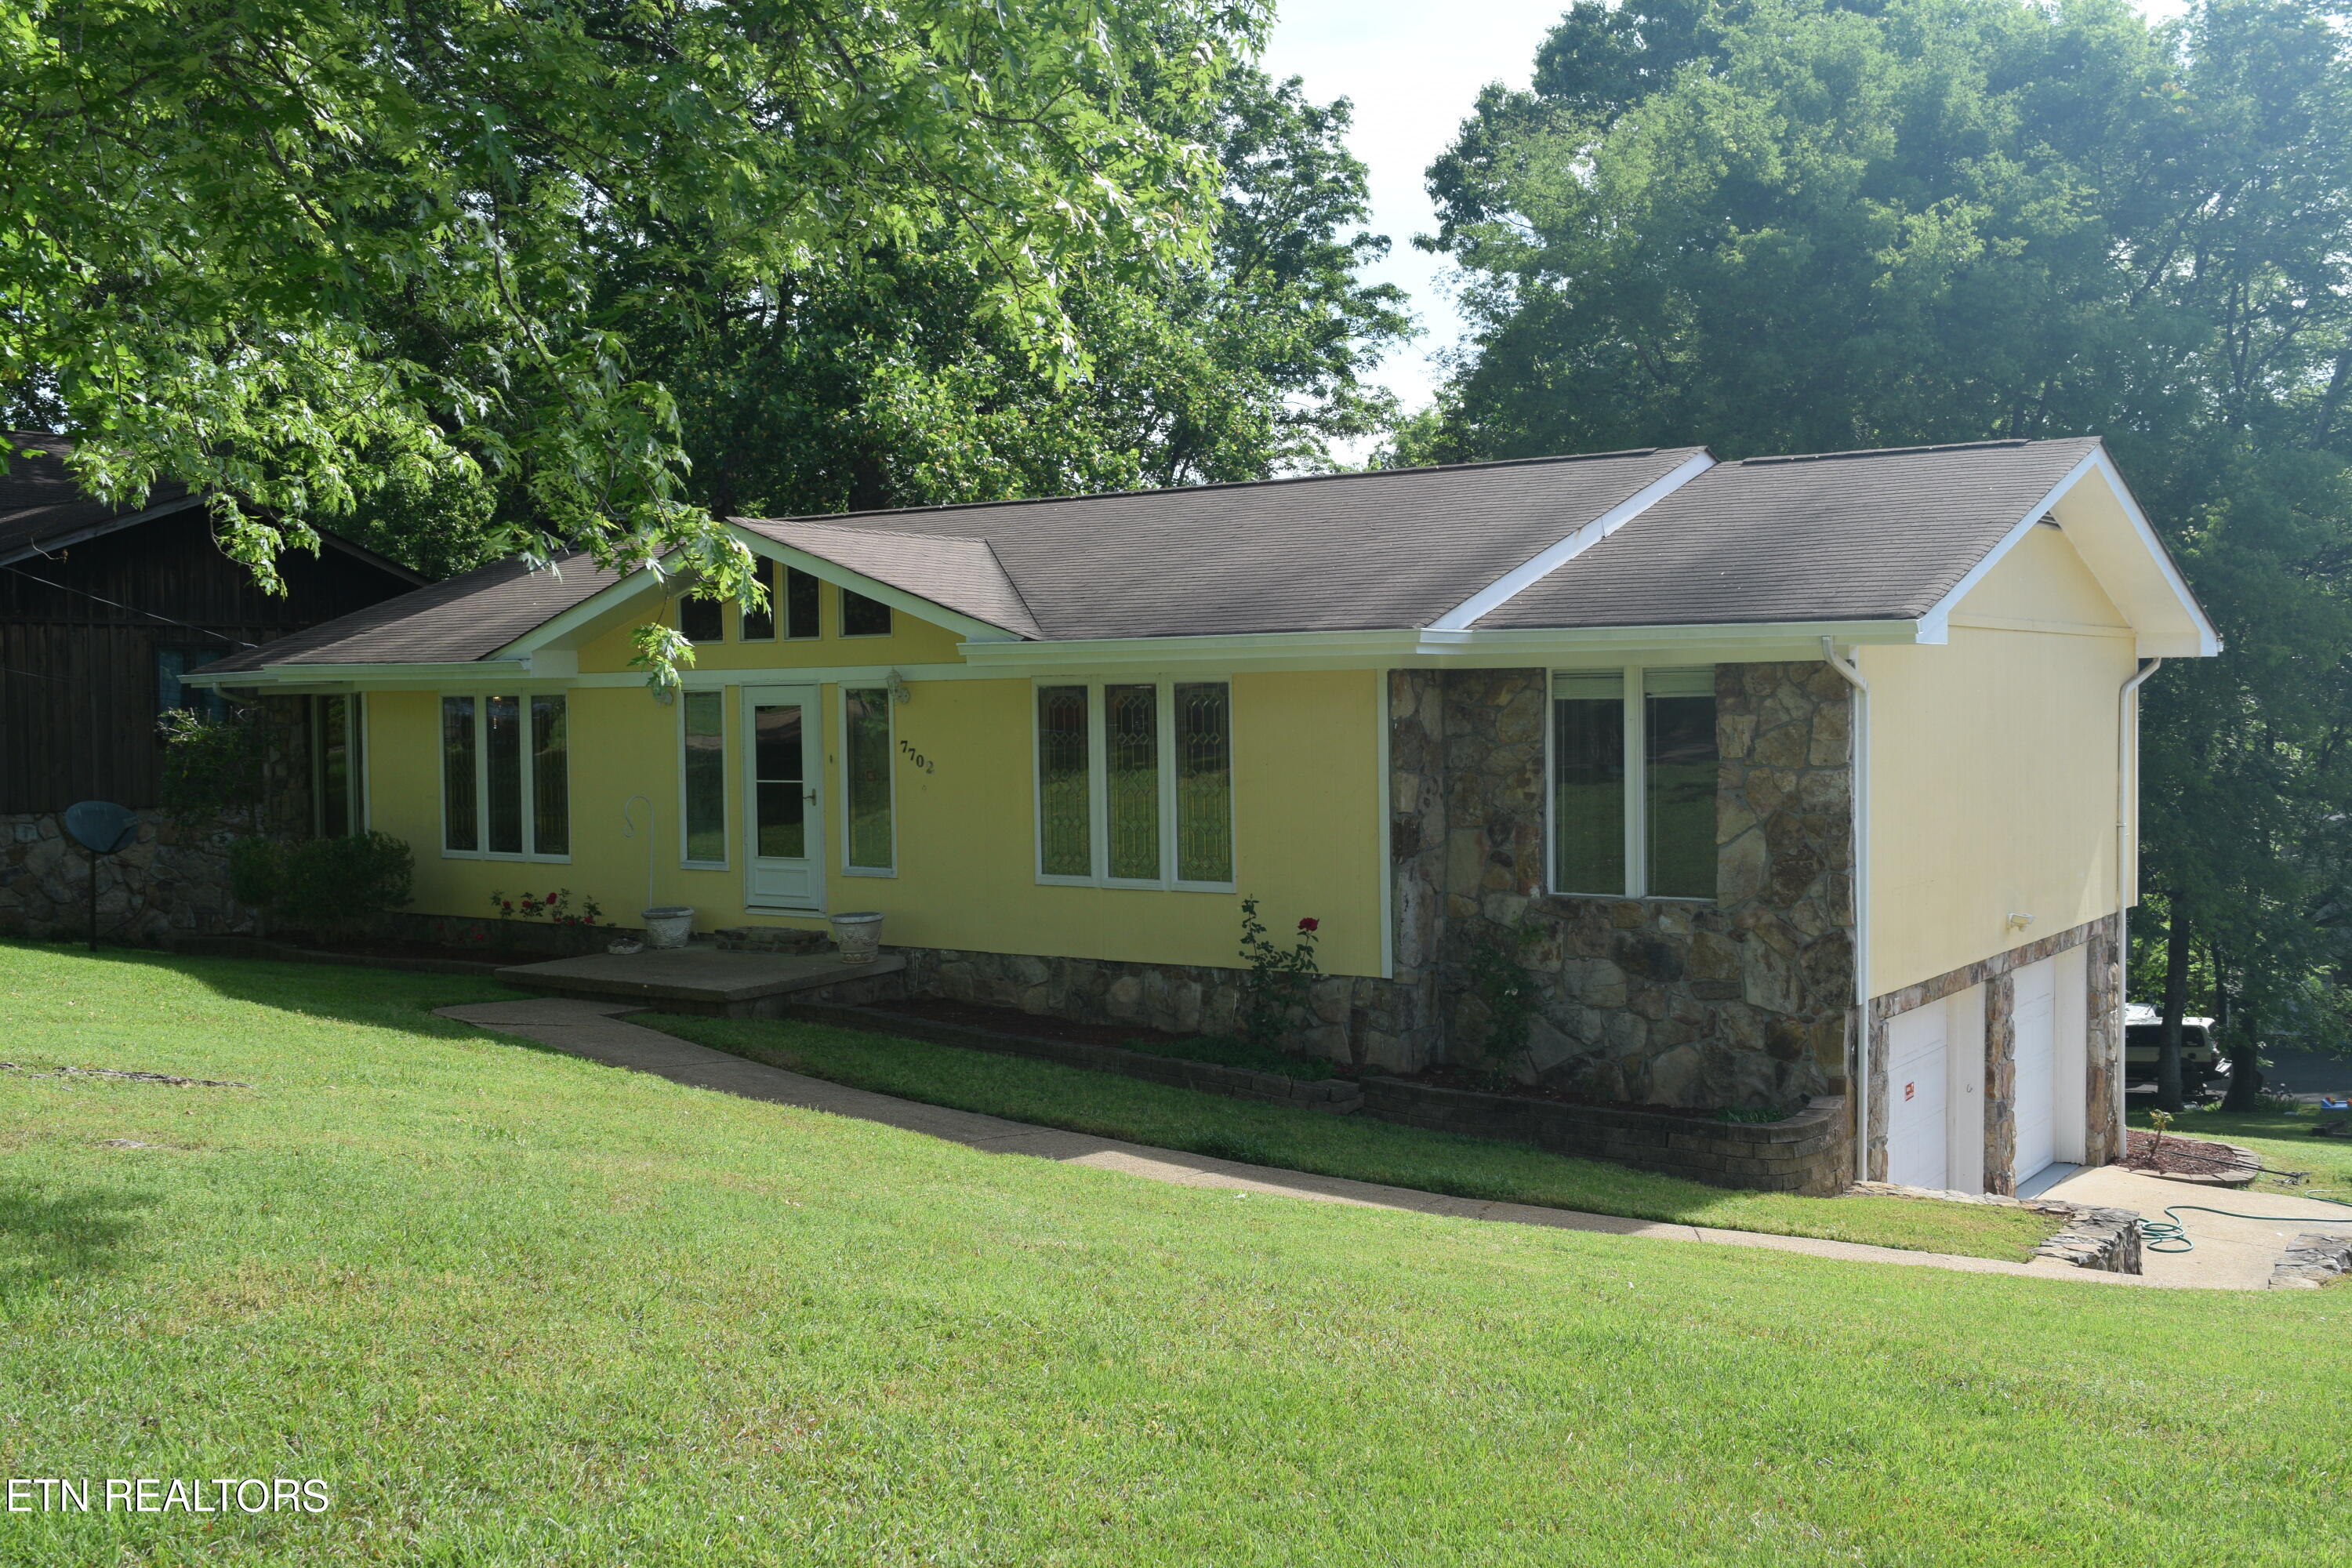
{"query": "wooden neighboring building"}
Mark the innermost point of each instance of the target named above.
(103, 607)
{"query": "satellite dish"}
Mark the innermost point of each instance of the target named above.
(101, 826)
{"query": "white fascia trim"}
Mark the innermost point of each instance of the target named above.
(972, 630)
(364, 677)
(1511, 585)
(1414, 648)
(586, 610)
(1936, 625)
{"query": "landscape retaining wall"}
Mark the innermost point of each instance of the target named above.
(173, 882)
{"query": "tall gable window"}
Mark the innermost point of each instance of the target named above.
(701, 620)
(1135, 784)
(863, 617)
(506, 778)
(794, 597)
(1633, 783)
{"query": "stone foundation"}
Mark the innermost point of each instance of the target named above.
(1348, 1019)
(1744, 1000)
(173, 882)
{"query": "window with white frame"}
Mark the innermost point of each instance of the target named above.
(338, 770)
(505, 777)
(1135, 784)
(792, 593)
(702, 778)
(1632, 764)
(870, 845)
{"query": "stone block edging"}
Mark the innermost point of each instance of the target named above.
(2107, 1239)
(1337, 1095)
(2314, 1258)
(1802, 1154)
(1806, 1153)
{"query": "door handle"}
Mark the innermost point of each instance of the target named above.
(809, 794)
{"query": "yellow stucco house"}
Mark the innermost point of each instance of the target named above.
(1777, 776)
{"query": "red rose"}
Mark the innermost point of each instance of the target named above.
(1310, 923)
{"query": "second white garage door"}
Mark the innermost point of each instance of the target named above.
(2036, 1016)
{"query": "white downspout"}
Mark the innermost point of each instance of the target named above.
(1860, 1087)
(2126, 795)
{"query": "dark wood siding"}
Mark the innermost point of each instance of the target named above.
(79, 632)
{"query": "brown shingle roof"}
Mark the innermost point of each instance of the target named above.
(43, 507)
(1839, 537)
(468, 618)
(963, 575)
(1330, 553)
(1842, 536)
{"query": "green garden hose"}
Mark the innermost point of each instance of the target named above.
(2169, 1235)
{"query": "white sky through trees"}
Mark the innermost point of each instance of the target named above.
(1414, 68)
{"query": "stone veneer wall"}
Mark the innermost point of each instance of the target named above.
(2103, 1045)
(173, 882)
(1743, 1001)
(1348, 1019)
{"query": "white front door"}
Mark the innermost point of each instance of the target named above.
(2034, 1014)
(1916, 1081)
(785, 825)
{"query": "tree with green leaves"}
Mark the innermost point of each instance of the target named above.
(295, 252)
(890, 386)
(1811, 225)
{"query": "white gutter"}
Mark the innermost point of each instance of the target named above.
(1526, 575)
(1859, 1086)
(2126, 795)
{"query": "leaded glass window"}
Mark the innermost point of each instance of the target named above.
(1064, 803)
(1204, 782)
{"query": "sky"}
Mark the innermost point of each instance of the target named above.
(1414, 68)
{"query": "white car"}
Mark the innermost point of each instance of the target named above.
(2201, 1056)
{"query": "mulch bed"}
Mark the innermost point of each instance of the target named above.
(2178, 1156)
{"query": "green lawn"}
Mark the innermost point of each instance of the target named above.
(1355, 1146)
(514, 1308)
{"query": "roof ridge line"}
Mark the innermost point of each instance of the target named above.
(1218, 485)
(1559, 552)
(1899, 451)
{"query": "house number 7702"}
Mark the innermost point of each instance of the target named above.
(916, 758)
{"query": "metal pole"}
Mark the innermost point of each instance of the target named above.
(93, 901)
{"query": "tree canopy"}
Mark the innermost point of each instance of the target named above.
(891, 386)
(297, 251)
(1807, 225)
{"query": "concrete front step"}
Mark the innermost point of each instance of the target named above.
(709, 980)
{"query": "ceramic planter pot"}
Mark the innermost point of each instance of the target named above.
(858, 935)
(669, 925)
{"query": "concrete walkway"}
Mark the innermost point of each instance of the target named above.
(594, 1030)
(2230, 1253)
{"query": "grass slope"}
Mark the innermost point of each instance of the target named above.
(519, 1309)
(1358, 1147)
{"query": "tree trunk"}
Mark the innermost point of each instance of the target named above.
(2245, 1078)
(2169, 1096)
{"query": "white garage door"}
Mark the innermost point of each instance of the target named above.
(2036, 1016)
(1917, 1140)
